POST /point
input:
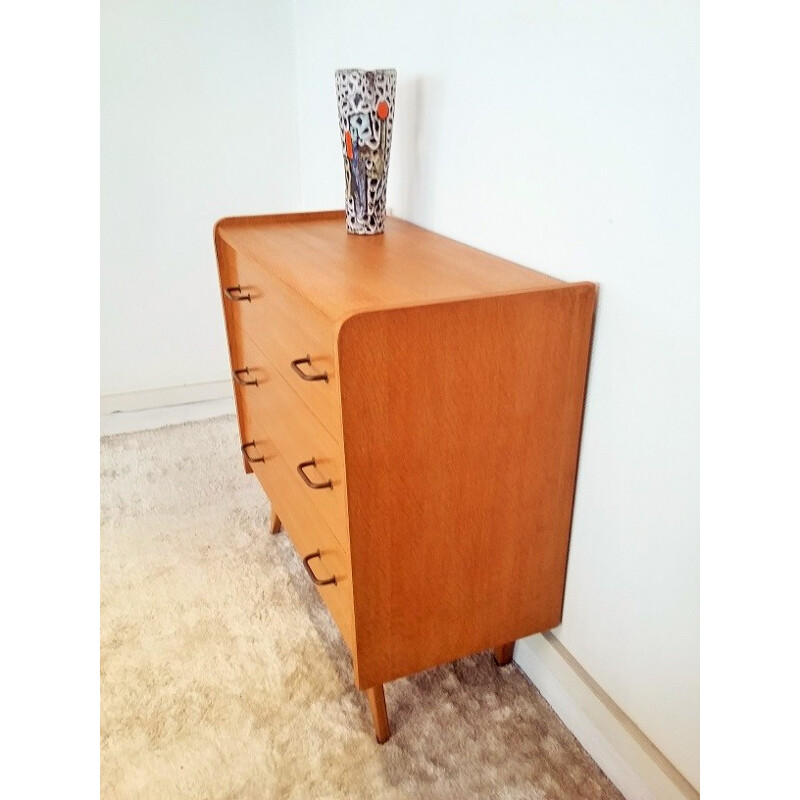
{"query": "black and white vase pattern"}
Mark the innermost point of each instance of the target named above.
(366, 117)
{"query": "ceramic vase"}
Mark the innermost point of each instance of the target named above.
(366, 117)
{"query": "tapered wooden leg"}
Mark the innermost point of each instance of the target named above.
(377, 705)
(274, 522)
(504, 653)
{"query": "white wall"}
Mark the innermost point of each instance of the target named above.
(564, 135)
(198, 121)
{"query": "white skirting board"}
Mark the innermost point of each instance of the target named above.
(630, 760)
(138, 411)
(152, 399)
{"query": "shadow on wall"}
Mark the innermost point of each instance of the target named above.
(414, 132)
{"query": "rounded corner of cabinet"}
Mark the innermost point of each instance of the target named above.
(218, 227)
(348, 326)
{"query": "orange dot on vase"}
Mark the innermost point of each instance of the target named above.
(383, 109)
(348, 143)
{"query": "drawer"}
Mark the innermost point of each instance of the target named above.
(299, 436)
(286, 328)
(307, 532)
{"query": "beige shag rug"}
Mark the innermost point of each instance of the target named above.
(222, 675)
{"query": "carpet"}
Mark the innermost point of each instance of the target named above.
(222, 675)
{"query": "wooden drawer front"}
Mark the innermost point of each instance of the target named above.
(299, 435)
(287, 328)
(307, 532)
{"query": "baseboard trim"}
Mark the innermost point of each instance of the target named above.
(151, 418)
(631, 761)
(162, 398)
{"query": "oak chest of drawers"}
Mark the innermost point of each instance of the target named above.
(412, 408)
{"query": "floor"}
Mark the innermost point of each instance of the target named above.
(222, 675)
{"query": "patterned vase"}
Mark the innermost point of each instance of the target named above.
(366, 116)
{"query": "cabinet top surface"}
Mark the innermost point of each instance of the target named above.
(342, 273)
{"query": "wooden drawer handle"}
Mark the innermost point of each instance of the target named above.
(307, 360)
(310, 571)
(308, 482)
(247, 455)
(237, 376)
(239, 296)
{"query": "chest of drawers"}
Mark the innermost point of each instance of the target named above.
(412, 408)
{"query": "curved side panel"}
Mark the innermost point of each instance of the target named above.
(461, 429)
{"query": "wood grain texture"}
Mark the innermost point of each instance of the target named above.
(305, 530)
(340, 274)
(461, 425)
(449, 426)
(298, 434)
(286, 327)
(380, 719)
